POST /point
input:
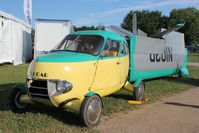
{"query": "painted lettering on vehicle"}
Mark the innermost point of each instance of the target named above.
(167, 56)
(38, 74)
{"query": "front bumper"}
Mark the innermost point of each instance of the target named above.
(26, 99)
(43, 90)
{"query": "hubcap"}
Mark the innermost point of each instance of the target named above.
(141, 91)
(17, 102)
(93, 112)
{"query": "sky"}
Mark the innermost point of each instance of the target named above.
(91, 12)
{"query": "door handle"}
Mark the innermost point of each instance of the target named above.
(118, 63)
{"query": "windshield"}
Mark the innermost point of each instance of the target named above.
(89, 44)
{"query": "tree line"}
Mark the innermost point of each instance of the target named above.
(152, 21)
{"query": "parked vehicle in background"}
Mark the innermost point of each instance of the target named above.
(48, 33)
(191, 48)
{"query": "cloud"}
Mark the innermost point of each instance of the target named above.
(97, 18)
(150, 5)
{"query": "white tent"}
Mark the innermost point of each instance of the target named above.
(15, 40)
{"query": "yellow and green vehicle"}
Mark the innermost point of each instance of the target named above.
(88, 65)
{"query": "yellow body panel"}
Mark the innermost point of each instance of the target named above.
(79, 74)
(183, 41)
(110, 76)
(103, 77)
(107, 77)
(124, 62)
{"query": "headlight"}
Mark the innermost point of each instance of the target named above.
(63, 86)
(57, 87)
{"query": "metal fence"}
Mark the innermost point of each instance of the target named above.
(193, 57)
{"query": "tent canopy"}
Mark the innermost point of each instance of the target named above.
(15, 40)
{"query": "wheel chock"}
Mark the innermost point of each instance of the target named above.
(134, 102)
(145, 99)
(138, 102)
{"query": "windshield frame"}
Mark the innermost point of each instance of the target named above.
(65, 40)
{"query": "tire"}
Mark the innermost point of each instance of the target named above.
(90, 110)
(138, 93)
(179, 74)
(14, 102)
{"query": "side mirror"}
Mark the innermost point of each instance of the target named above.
(101, 57)
(123, 51)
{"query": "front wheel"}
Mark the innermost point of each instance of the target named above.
(90, 111)
(15, 105)
(138, 93)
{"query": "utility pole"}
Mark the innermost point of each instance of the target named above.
(134, 24)
(100, 26)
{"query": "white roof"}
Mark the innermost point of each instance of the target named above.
(9, 16)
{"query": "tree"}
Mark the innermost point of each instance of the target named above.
(85, 28)
(152, 21)
(148, 21)
(99, 27)
(189, 16)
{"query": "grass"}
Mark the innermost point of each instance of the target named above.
(193, 57)
(46, 119)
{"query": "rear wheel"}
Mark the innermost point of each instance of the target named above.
(179, 74)
(90, 111)
(138, 93)
(15, 105)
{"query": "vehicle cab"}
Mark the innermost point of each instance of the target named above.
(81, 69)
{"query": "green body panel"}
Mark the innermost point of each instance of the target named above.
(93, 93)
(152, 74)
(66, 56)
(134, 75)
(137, 83)
(22, 87)
(105, 34)
(184, 71)
(90, 94)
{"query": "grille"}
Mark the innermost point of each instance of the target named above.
(38, 89)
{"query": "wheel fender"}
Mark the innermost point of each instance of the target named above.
(137, 83)
(22, 87)
(184, 71)
(93, 93)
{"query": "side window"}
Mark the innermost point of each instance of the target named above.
(111, 48)
(125, 49)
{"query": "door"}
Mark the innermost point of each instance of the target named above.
(124, 62)
(107, 78)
